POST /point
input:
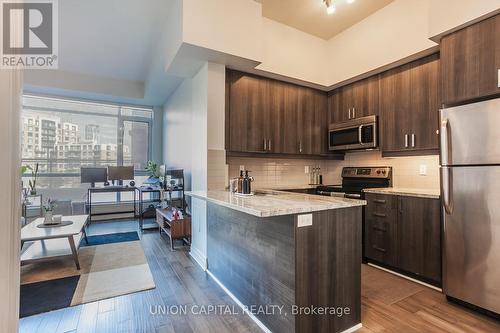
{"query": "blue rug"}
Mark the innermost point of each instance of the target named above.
(111, 238)
(39, 297)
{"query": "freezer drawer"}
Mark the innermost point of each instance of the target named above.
(471, 249)
(469, 134)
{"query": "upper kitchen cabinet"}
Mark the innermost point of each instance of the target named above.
(470, 62)
(249, 102)
(409, 106)
(265, 116)
(355, 100)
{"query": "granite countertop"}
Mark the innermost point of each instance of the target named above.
(267, 203)
(410, 192)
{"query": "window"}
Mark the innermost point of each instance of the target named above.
(72, 134)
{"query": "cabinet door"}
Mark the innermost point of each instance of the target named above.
(419, 226)
(470, 62)
(336, 112)
(274, 131)
(380, 230)
(305, 124)
(290, 120)
(320, 124)
(249, 101)
(346, 102)
(395, 94)
(425, 103)
(365, 97)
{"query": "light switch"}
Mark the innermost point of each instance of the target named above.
(242, 168)
(304, 220)
(423, 170)
(306, 169)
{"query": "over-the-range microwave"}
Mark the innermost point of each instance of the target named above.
(355, 134)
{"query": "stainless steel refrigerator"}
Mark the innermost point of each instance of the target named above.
(470, 189)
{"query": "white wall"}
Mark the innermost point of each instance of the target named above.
(445, 15)
(293, 53)
(193, 120)
(228, 26)
(177, 130)
(10, 183)
(394, 32)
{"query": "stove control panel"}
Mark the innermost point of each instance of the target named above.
(368, 172)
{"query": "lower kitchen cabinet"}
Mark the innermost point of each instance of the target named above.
(404, 233)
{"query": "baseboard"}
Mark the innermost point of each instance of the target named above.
(241, 305)
(199, 258)
(406, 277)
(353, 329)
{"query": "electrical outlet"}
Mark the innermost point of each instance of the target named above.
(423, 170)
(306, 169)
(304, 220)
(242, 168)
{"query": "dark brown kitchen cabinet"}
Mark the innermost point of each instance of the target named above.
(471, 62)
(266, 116)
(420, 237)
(409, 107)
(404, 233)
(355, 100)
(380, 229)
(249, 105)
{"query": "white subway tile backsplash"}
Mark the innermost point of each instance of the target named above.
(269, 173)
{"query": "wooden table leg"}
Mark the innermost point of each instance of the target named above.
(73, 251)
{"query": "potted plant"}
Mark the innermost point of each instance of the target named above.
(34, 176)
(48, 208)
(153, 170)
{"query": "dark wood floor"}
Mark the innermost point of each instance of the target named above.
(389, 303)
(179, 281)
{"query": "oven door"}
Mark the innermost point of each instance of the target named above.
(363, 136)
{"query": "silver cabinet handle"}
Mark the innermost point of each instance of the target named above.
(447, 189)
(406, 140)
(269, 145)
(353, 113)
(499, 78)
(300, 146)
(265, 144)
(445, 142)
(349, 114)
(413, 140)
(360, 135)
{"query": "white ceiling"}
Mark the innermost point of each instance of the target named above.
(310, 15)
(114, 42)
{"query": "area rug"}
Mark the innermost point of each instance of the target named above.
(111, 265)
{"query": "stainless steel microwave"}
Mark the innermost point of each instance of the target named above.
(355, 134)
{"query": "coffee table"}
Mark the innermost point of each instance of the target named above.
(53, 242)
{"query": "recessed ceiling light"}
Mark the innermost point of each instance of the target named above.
(350, 1)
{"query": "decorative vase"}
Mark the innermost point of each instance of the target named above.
(48, 218)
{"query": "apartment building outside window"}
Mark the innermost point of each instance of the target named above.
(63, 135)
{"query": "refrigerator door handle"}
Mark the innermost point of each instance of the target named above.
(447, 189)
(445, 142)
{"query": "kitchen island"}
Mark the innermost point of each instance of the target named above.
(293, 260)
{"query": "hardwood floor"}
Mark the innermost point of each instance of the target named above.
(389, 303)
(393, 304)
(179, 281)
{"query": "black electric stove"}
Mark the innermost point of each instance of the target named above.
(355, 180)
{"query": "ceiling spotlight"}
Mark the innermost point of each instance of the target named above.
(350, 1)
(330, 7)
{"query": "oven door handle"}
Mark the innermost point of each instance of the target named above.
(360, 135)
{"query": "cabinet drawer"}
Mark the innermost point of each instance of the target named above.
(381, 228)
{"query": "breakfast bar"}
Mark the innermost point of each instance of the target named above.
(293, 260)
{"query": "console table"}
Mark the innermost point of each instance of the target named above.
(174, 229)
(109, 189)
